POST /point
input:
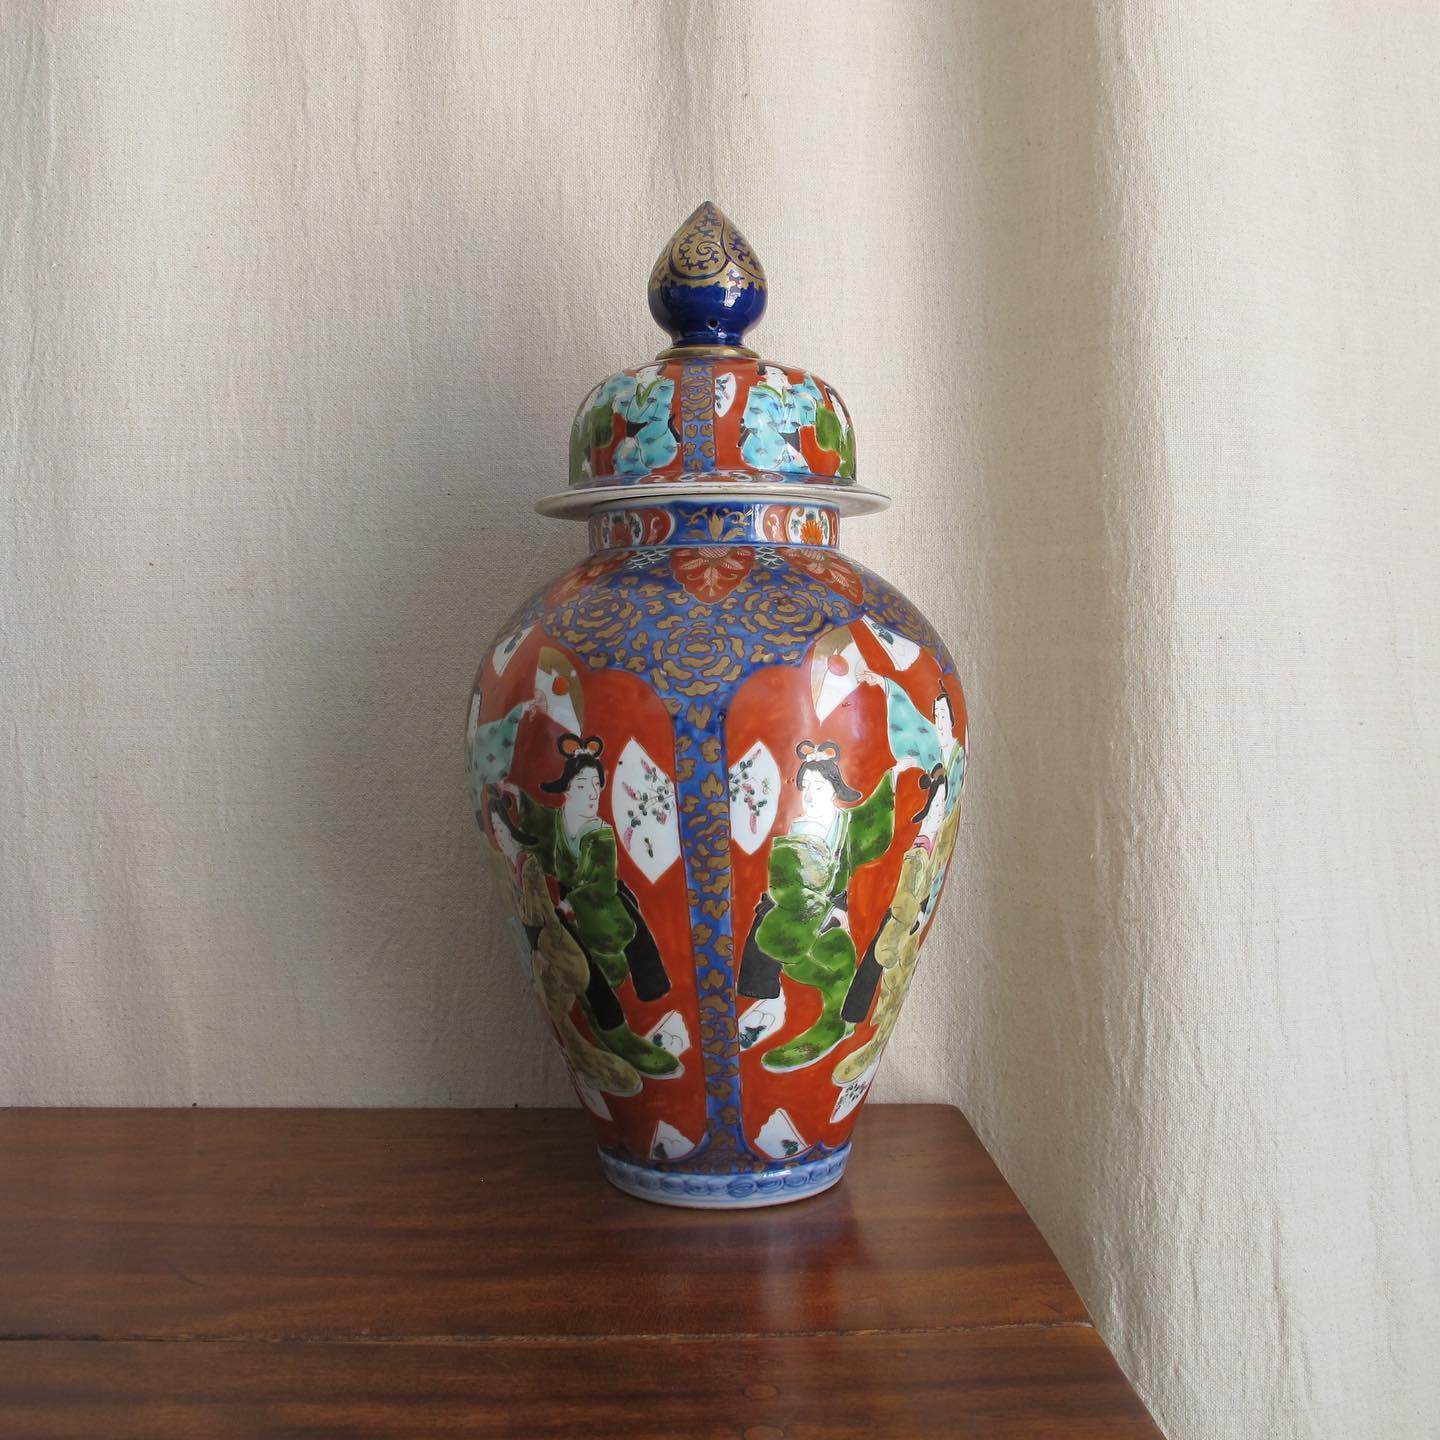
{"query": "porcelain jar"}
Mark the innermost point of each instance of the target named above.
(717, 764)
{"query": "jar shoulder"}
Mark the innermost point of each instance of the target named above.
(791, 591)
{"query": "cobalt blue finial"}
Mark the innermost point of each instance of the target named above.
(708, 286)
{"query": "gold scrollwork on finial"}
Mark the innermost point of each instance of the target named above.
(708, 250)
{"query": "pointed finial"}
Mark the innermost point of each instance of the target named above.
(708, 286)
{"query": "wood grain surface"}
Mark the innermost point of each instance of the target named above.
(289, 1273)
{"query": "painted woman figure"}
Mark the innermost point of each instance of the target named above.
(577, 848)
(914, 740)
(559, 968)
(896, 947)
(490, 748)
(801, 926)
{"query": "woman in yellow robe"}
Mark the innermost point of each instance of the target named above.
(560, 970)
(897, 945)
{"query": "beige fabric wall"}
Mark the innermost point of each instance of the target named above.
(1136, 307)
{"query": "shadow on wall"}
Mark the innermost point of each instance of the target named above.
(1052, 998)
(422, 1001)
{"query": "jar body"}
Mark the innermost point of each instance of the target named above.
(718, 766)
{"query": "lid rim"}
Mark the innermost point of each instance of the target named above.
(849, 501)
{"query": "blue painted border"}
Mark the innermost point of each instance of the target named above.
(726, 1192)
(714, 522)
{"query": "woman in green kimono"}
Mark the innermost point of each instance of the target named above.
(896, 947)
(559, 969)
(801, 926)
(577, 848)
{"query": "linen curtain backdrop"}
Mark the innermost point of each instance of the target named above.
(1135, 305)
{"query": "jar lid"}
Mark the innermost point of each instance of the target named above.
(708, 416)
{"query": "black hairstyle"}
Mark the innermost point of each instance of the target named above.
(824, 759)
(931, 784)
(579, 755)
(949, 704)
(502, 812)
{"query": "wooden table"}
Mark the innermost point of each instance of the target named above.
(404, 1273)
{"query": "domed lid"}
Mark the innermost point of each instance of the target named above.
(708, 416)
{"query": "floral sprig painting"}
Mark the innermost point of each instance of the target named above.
(753, 791)
(754, 788)
(652, 800)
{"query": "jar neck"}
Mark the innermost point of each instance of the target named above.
(713, 522)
